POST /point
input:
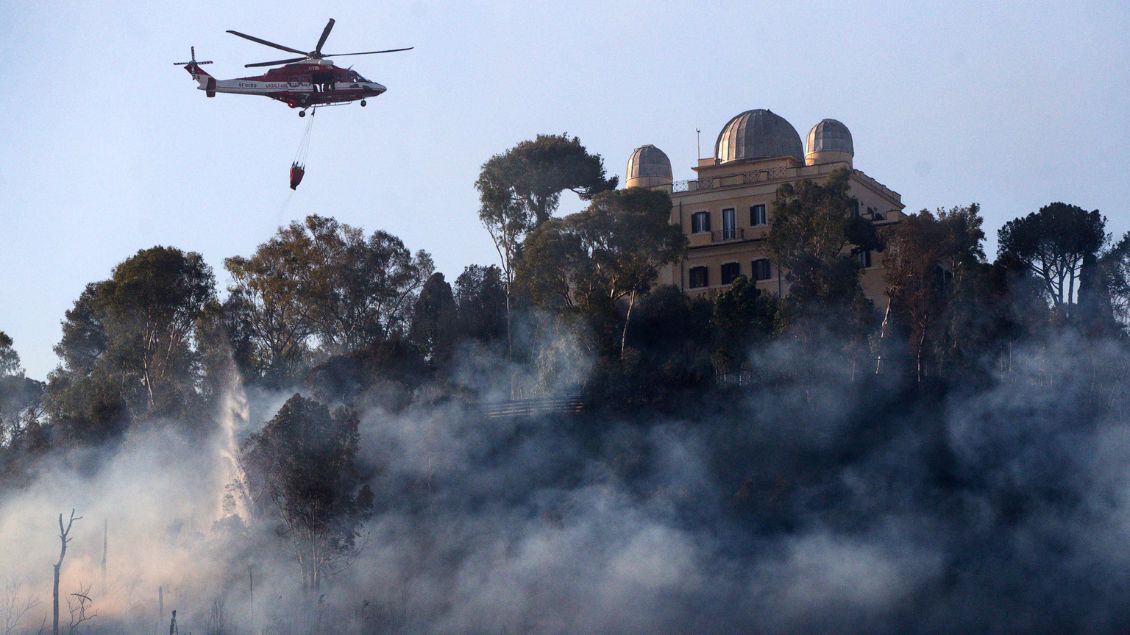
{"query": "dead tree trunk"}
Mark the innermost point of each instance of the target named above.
(64, 538)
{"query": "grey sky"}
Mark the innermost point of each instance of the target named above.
(108, 148)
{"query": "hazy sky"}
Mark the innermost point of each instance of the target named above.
(108, 148)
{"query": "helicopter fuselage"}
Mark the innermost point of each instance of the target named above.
(301, 85)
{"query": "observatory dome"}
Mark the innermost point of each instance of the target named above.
(829, 141)
(648, 166)
(757, 134)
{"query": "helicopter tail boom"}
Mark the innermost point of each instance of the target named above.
(204, 81)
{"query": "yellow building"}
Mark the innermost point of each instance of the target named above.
(727, 211)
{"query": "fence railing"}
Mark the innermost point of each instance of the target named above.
(736, 378)
(533, 407)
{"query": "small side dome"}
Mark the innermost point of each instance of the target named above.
(647, 167)
(829, 141)
(757, 134)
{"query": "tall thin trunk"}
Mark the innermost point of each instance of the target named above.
(1070, 287)
(105, 545)
(509, 338)
(55, 595)
(921, 345)
(251, 597)
(627, 320)
(882, 336)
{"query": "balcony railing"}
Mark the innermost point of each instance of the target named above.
(722, 235)
(730, 180)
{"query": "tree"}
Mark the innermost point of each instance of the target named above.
(609, 252)
(64, 540)
(521, 188)
(1056, 244)
(324, 284)
(813, 225)
(627, 236)
(302, 470)
(267, 294)
(9, 359)
(130, 343)
(742, 315)
(480, 303)
(18, 394)
(917, 259)
(84, 336)
(14, 605)
(435, 320)
(151, 309)
(362, 289)
(1114, 266)
(966, 319)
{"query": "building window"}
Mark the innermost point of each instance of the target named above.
(762, 270)
(700, 277)
(729, 226)
(730, 271)
(864, 256)
(855, 208)
(757, 215)
(700, 222)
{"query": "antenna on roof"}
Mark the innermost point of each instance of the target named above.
(698, 145)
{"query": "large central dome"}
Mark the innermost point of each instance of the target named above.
(758, 134)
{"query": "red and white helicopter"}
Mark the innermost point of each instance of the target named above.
(304, 82)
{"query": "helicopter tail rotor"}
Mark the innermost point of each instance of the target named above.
(205, 82)
(192, 61)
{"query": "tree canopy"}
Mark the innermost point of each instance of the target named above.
(521, 188)
(302, 472)
(324, 286)
(9, 358)
(610, 251)
(812, 226)
(130, 343)
(1055, 244)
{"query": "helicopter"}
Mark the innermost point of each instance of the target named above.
(310, 81)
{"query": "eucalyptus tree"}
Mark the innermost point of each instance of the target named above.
(130, 343)
(303, 475)
(607, 253)
(812, 229)
(9, 358)
(521, 188)
(321, 286)
(480, 303)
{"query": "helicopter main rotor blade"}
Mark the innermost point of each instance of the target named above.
(275, 63)
(369, 52)
(267, 43)
(325, 34)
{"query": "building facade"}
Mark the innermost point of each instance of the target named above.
(726, 212)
